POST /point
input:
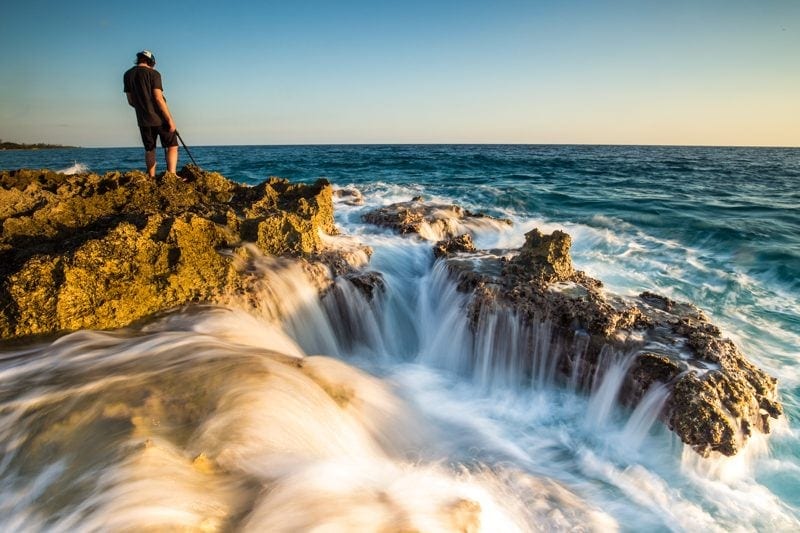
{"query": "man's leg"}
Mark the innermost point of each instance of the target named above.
(169, 140)
(149, 140)
(150, 161)
(172, 159)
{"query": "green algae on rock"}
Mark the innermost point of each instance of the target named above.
(91, 251)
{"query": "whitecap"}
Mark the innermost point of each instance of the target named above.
(75, 168)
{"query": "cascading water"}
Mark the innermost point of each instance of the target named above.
(215, 418)
(286, 412)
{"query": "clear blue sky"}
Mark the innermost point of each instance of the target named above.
(572, 71)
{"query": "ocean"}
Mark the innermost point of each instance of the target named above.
(718, 227)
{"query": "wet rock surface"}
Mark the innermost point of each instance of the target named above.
(454, 245)
(91, 251)
(717, 397)
(349, 196)
(429, 220)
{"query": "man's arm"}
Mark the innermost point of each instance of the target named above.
(158, 95)
(130, 99)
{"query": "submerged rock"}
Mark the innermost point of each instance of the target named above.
(349, 196)
(91, 251)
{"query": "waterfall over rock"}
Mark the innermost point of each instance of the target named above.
(264, 369)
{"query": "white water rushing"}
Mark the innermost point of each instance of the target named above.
(220, 418)
(75, 168)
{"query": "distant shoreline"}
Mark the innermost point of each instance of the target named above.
(37, 146)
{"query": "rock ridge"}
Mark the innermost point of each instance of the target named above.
(717, 397)
(101, 251)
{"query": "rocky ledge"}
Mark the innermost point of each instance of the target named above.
(429, 219)
(716, 398)
(91, 251)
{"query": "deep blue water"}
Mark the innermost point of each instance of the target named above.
(719, 227)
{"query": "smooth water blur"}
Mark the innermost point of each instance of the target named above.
(719, 227)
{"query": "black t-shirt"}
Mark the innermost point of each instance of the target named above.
(140, 82)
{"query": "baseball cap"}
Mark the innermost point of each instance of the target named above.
(146, 53)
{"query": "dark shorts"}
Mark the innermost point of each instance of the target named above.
(149, 134)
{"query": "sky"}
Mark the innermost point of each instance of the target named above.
(701, 72)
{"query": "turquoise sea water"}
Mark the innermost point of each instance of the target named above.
(719, 227)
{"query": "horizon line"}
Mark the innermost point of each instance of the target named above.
(467, 144)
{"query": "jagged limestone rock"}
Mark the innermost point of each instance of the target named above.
(716, 396)
(428, 219)
(453, 245)
(91, 251)
(547, 256)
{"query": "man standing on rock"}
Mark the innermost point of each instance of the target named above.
(145, 94)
